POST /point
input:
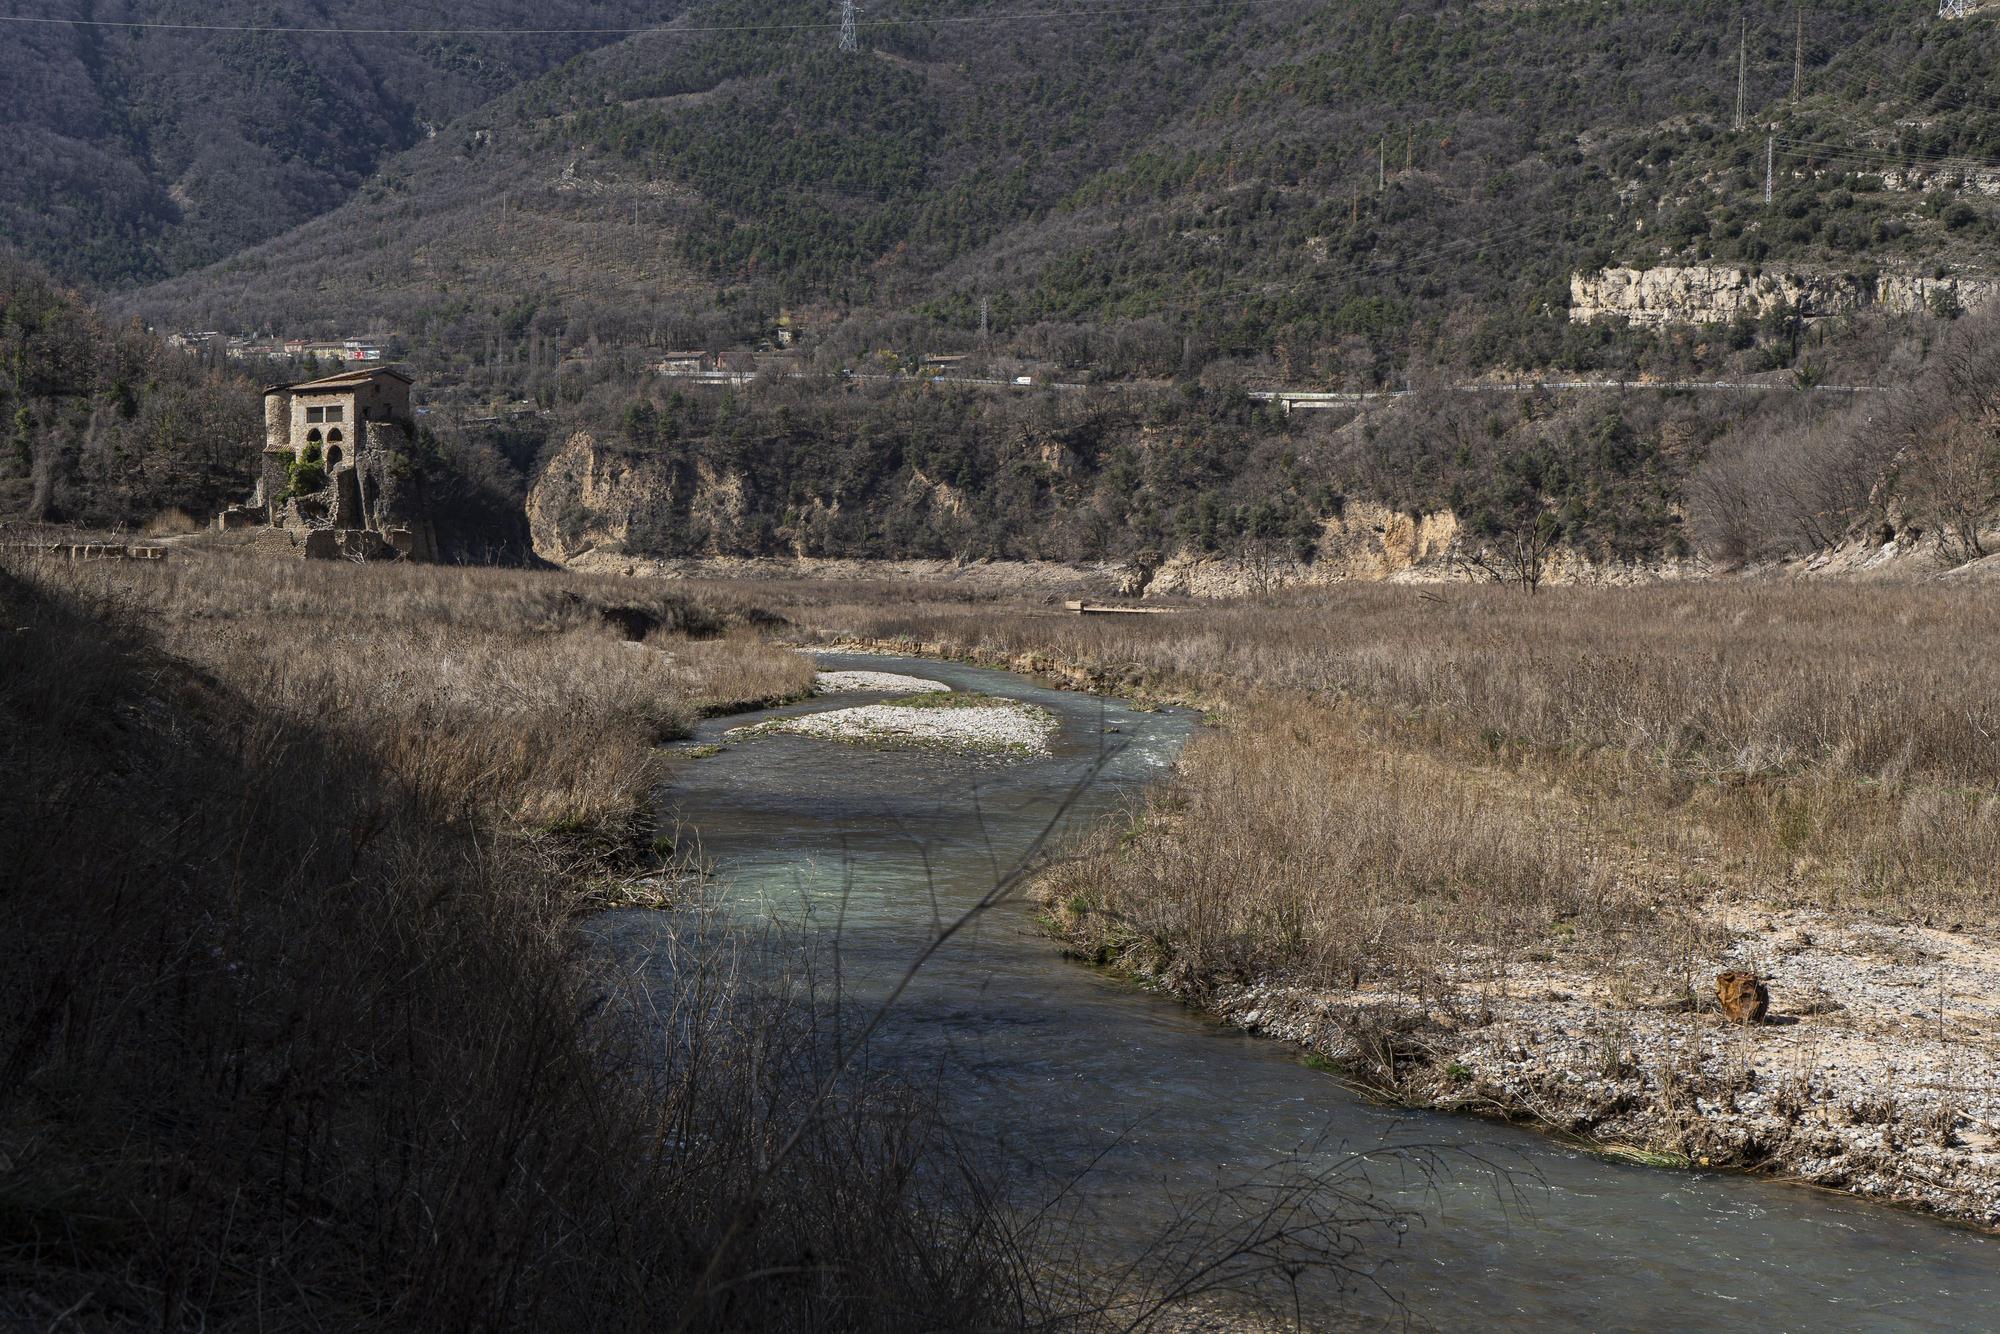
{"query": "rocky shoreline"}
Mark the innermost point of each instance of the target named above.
(1877, 1071)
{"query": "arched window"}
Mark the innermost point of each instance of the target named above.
(312, 436)
(333, 452)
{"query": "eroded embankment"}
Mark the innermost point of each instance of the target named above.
(1868, 1094)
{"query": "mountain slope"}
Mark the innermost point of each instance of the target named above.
(1358, 196)
(136, 152)
(1277, 180)
(105, 425)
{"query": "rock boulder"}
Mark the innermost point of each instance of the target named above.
(1743, 996)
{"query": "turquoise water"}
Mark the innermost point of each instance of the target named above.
(1061, 1069)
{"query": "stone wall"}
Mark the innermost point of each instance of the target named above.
(1718, 294)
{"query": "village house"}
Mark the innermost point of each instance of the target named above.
(337, 468)
(682, 363)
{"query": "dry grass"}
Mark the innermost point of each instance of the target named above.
(295, 1034)
(297, 1029)
(1376, 863)
(520, 698)
(1428, 781)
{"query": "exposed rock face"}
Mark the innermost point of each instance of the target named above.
(1715, 294)
(1370, 542)
(588, 497)
(595, 497)
(1744, 998)
(1366, 542)
(607, 507)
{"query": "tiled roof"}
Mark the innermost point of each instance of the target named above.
(344, 380)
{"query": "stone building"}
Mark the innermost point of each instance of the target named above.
(339, 470)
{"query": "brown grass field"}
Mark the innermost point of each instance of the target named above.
(1828, 743)
(295, 1029)
(298, 1031)
(1496, 817)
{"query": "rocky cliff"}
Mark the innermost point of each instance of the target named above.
(669, 510)
(1369, 543)
(1716, 294)
(584, 499)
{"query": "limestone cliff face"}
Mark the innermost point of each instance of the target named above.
(1366, 542)
(1371, 544)
(607, 507)
(584, 498)
(1715, 294)
(594, 499)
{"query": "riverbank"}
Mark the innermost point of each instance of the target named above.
(301, 1025)
(1489, 854)
(1879, 1094)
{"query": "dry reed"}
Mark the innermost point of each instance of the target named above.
(290, 1039)
(1436, 774)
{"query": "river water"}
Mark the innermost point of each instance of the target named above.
(1063, 1068)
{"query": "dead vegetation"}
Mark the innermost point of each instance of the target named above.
(1437, 827)
(300, 1028)
(1823, 742)
(294, 1030)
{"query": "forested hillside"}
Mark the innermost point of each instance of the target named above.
(106, 424)
(1359, 196)
(156, 138)
(1326, 190)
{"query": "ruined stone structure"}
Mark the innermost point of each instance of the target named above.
(339, 472)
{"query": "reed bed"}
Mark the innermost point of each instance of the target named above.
(295, 1029)
(1411, 773)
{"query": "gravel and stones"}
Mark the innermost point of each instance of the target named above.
(961, 724)
(850, 683)
(1877, 1070)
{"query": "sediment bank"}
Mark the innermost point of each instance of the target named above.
(1859, 1080)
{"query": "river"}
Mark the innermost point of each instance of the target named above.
(1061, 1067)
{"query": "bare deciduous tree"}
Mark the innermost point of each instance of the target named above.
(1519, 554)
(1948, 480)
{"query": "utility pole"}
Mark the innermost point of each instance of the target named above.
(1799, 53)
(1742, 57)
(850, 40)
(1770, 160)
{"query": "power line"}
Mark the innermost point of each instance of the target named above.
(849, 39)
(1742, 56)
(334, 30)
(1889, 156)
(1799, 50)
(1360, 269)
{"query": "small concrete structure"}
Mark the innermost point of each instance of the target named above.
(682, 363)
(1083, 608)
(358, 429)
